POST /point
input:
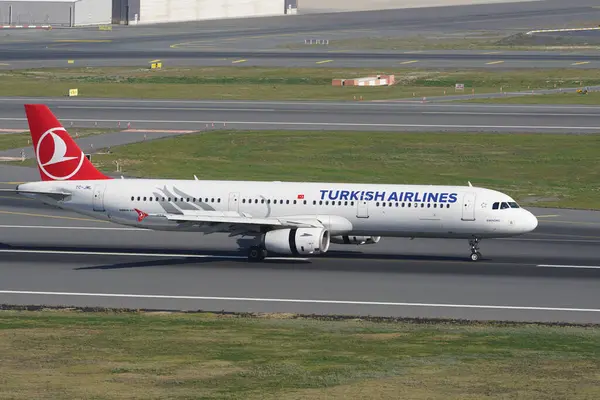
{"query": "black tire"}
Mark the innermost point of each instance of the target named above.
(256, 254)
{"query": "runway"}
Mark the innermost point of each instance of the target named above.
(52, 257)
(310, 115)
(264, 41)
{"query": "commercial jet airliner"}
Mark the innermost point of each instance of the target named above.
(287, 218)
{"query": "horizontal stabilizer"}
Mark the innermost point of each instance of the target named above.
(54, 195)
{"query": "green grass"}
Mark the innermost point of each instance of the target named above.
(58, 354)
(275, 83)
(18, 140)
(592, 98)
(537, 169)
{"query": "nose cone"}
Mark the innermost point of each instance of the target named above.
(529, 223)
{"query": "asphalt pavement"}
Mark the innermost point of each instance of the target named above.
(262, 41)
(308, 115)
(53, 257)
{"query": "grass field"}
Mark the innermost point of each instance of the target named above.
(592, 98)
(18, 140)
(537, 169)
(262, 83)
(58, 354)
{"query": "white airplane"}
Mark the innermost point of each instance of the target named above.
(288, 218)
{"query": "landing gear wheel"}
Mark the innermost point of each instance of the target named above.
(256, 254)
(475, 254)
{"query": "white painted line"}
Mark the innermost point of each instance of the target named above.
(275, 300)
(166, 109)
(476, 113)
(382, 103)
(121, 254)
(584, 128)
(90, 228)
(569, 266)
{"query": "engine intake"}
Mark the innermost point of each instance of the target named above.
(297, 241)
(358, 240)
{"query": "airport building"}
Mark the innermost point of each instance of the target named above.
(131, 12)
(55, 12)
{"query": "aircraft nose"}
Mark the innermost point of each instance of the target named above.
(530, 222)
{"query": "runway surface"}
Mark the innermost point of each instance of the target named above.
(52, 257)
(260, 41)
(310, 115)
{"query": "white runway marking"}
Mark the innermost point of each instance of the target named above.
(121, 254)
(569, 266)
(384, 103)
(310, 301)
(332, 124)
(91, 228)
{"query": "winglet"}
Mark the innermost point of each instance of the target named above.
(470, 184)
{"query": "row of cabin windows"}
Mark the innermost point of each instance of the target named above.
(268, 201)
(175, 199)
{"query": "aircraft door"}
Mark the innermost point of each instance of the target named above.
(98, 200)
(362, 210)
(234, 201)
(468, 208)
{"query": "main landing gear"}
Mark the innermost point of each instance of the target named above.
(256, 254)
(475, 254)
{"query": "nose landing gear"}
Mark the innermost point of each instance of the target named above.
(475, 254)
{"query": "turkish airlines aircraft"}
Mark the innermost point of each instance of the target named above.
(293, 218)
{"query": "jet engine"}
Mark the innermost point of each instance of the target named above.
(297, 241)
(358, 240)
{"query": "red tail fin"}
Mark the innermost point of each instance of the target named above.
(58, 156)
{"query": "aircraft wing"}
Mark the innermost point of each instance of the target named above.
(55, 195)
(234, 221)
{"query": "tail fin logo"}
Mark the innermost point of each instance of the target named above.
(54, 158)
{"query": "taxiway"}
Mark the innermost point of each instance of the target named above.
(310, 115)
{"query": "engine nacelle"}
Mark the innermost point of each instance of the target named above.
(297, 241)
(358, 240)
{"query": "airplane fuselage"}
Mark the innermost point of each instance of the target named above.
(344, 209)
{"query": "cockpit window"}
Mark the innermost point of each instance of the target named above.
(504, 205)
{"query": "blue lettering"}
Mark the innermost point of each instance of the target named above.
(453, 198)
(369, 195)
(323, 193)
(432, 197)
(344, 195)
(443, 197)
(354, 195)
(333, 195)
(408, 196)
(393, 197)
(400, 194)
(417, 197)
(362, 195)
(380, 196)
